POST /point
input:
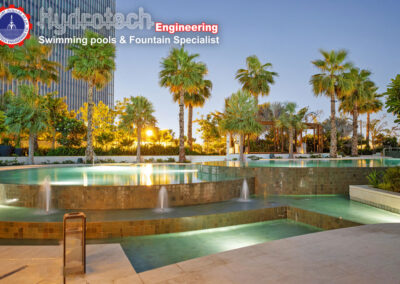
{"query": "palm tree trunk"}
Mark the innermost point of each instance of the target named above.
(367, 128)
(354, 142)
(333, 148)
(53, 142)
(290, 143)
(282, 141)
(241, 139)
(139, 138)
(89, 147)
(35, 136)
(182, 157)
(31, 148)
(190, 124)
(228, 143)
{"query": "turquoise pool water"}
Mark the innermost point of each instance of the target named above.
(145, 174)
(305, 163)
(149, 252)
(338, 206)
(333, 205)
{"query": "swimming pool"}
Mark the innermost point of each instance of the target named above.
(143, 174)
(149, 252)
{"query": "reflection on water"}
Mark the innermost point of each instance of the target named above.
(146, 174)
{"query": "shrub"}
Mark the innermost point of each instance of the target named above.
(150, 150)
(391, 180)
(10, 163)
(387, 180)
(374, 178)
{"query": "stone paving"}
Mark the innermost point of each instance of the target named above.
(43, 264)
(363, 254)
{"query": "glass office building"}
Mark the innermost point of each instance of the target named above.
(75, 91)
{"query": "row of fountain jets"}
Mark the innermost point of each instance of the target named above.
(162, 203)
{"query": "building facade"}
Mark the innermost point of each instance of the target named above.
(74, 91)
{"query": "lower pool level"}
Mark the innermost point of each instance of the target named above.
(149, 252)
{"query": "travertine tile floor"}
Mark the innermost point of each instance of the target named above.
(364, 254)
(43, 264)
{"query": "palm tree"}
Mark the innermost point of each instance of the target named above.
(181, 74)
(331, 82)
(27, 112)
(256, 78)
(56, 108)
(5, 59)
(240, 117)
(94, 64)
(378, 126)
(31, 62)
(139, 113)
(195, 100)
(362, 90)
(272, 112)
(292, 121)
(370, 106)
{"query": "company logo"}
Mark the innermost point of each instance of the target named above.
(14, 26)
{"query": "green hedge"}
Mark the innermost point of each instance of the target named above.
(154, 150)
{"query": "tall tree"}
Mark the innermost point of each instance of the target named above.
(102, 123)
(27, 113)
(94, 64)
(331, 83)
(195, 100)
(56, 107)
(6, 57)
(393, 98)
(370, 106)
(256, 78)
(31, 62)
(240, 117)
(362, 90)
(139, 113)
(181, 74)
(272, 112)
(293, 121)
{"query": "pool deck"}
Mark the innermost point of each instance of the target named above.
(364, 254)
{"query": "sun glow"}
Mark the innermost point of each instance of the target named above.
(149, 132)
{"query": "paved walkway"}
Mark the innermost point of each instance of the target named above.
(364, 254)
(43, 264)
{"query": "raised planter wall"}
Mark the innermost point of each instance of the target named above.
(376, 197)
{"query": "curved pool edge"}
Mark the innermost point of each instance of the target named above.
(119, 229)
(105, 197)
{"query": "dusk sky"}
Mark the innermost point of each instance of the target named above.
(286, 33)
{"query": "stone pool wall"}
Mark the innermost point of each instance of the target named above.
(115, 229)
(126, 197)
(297, 181)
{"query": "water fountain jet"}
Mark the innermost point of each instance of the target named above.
(45, 195)
(162, 202)
(244, 193)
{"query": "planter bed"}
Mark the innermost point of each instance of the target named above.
(376, 197)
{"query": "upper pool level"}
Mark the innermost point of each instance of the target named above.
(311, 163)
